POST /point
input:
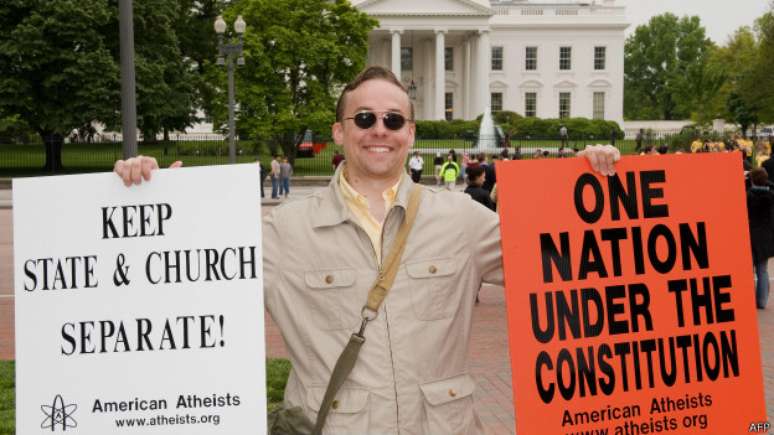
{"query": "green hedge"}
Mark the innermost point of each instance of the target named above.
(446, 129)
(577, 128)
(519, 127)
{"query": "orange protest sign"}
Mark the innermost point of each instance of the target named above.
(630, 298)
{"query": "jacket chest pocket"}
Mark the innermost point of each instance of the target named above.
(433, 288)
(449, 405)
(349, 413)
(332, 297)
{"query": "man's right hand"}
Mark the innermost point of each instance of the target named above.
(136, 169)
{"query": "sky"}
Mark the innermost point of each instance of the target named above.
(720, 18)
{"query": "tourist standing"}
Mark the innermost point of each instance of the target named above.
(416, 164)
(275, 174)
(285, 172)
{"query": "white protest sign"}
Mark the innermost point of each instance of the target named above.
(140, 310)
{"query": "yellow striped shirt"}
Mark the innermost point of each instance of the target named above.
(358, 204)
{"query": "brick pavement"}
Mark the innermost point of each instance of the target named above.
(490, 364)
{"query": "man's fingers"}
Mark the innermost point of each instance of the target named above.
(609, 157)
(136, 175)
(122, 170)
(592, 154)
(176, 164)
(147, 166)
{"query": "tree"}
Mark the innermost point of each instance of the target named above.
(758, 88)
(665, 68)
(198, 44)
(298, 55)
(165, 81)
(736, 60)
(56, 71)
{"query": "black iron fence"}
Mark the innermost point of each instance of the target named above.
(313, 158)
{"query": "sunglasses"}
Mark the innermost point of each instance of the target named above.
(365, 120)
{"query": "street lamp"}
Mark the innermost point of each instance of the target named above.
(226, 53)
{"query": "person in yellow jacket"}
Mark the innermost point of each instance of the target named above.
(449, 172)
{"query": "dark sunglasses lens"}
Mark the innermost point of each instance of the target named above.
(394, 121)
(365, 120)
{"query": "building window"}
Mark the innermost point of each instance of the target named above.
(530, 63)
(565, 58)
(497, 58)
(449, 105)
(448, 58)
(530, 104)
(599, 58)
(497, 102)
(599, 105)
(564, 105)
(406, 59)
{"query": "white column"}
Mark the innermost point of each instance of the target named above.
(466, 79)
(384, 54)
(396, 52)
(440, 73)
(484, 50)
(427, 83)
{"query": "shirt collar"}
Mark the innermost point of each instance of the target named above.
(333, 210)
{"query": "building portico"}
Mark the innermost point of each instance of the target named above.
(459, 57)
(438, 62)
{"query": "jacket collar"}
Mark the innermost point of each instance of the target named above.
(332, 208)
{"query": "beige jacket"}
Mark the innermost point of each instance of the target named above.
(412, 374)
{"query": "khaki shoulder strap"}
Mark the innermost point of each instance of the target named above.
(381, 287)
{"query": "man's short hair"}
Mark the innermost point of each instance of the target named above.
(474, 172)
(759, 177)
(370, 73)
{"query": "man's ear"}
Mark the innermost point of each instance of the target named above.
(338, 133)
(412, 131)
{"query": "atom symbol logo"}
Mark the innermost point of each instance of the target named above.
(58, 415)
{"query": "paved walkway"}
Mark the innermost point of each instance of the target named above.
(489, 358)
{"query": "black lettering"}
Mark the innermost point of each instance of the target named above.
(626, 197)
(613, 293)
(592, 329)
(649, 193)
(546, 393)
(560, 259)
(614, 236)
(108, 225)
(696, 245)
(677, 287)
(68, 337)
(144, 327)
(664, 232)
(591, 257)
(31, 275)
(592, 216)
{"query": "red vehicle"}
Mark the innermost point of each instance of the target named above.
(309, 147)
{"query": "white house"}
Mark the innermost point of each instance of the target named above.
(548, 60)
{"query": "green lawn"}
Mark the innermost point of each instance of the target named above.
(7, 402)
(277, 371)
(27, 160)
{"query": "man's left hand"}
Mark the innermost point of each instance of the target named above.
(602, 158)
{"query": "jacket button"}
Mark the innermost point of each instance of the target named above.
(432, 269)
(335, 404)
(329, 279)
(452, 393)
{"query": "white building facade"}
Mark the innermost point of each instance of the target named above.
(548, 60)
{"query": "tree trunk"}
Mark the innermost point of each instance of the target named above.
(53, 143)
(290, 143)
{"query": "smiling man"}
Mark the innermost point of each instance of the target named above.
(323, 253)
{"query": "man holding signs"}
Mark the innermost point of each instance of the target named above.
(323, 253)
